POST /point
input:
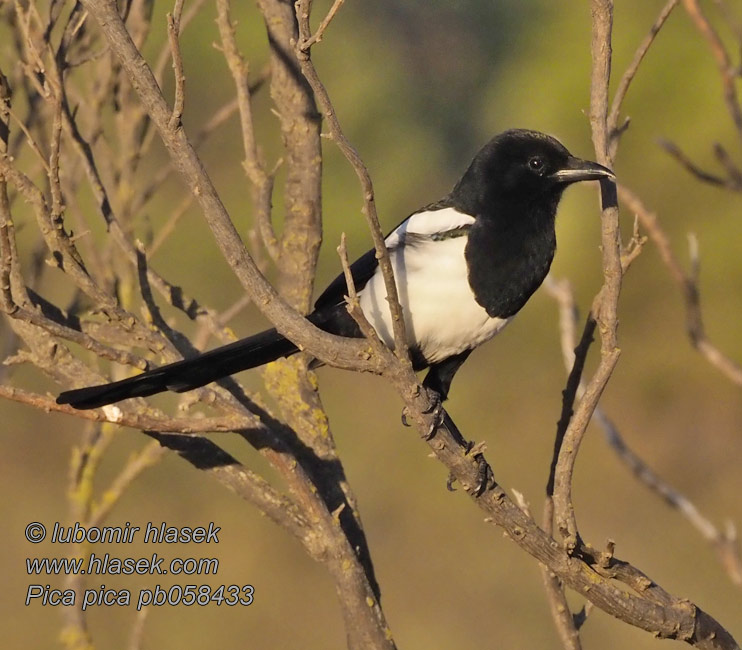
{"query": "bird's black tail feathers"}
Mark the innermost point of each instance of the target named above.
(188, 374)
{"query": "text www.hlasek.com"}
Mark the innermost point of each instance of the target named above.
(108, 564)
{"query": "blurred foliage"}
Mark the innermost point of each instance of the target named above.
(419, 86)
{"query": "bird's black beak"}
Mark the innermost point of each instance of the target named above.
(577, 169)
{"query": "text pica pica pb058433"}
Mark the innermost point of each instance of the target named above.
(464, 266)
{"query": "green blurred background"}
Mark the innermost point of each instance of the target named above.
(419, 86)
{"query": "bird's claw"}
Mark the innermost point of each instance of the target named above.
(436, 408)
(449, 483)
(485, 476)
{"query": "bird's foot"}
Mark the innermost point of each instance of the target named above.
(436, 408)
(485, 475)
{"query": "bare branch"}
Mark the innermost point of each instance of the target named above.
(321, 510)
(722, 58)
(206, 456)
(262, 182)
(605, 304)
(630, 73)
(145, 458)
(564, 621)
(320, 32)
(687, 284)
(690, 166)
(725, 543)
(173, 34)
(137, 630)
(156, 421)
(194, 7)
(647, 606)
(31, 141)
(300, 123)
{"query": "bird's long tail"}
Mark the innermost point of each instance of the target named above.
(187, 374)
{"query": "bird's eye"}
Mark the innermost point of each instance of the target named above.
(536, 164)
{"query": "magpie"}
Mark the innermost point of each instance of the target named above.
(464, 266)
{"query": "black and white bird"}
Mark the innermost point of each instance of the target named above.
(464, 266)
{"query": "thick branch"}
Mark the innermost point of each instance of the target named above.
(605, 305)
(300, 131)
(649, 607)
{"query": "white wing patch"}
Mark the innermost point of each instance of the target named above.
(429, 222)
(442, 317)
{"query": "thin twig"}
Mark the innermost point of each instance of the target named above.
(733, 172)
(261, 181)
(630, 73)
(169, 226)
(564, 621)
(688, 285)
(729, 74)
(353, 304)
(194, 7)
(722, 58)
(690, 166)
(10, 272)
(320, 32)
(145, 458)
(152, 421)
(173, 34)
(724, 542)
(31, 141)
(237, 306)
(136, 638)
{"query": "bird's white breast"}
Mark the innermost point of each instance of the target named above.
(442, 318)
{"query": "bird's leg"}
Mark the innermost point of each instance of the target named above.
(438, 382)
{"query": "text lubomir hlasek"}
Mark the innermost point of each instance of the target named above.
(154, 534)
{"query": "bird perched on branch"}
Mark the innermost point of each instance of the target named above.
(464, 266)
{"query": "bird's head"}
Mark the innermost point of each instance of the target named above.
(525, 167)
